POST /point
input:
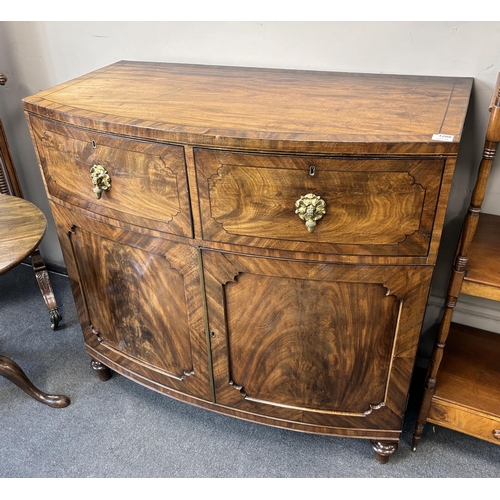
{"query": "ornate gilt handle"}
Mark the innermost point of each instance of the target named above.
(100, 179)
(310, 208)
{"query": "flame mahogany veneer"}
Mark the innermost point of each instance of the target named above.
(195, 266)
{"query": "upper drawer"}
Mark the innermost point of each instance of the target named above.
(148, 180)
(372, 206)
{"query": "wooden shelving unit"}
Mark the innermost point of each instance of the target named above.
(467, 395)
(462, 388)
(482, 278)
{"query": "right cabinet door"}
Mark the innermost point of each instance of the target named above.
(316, 343)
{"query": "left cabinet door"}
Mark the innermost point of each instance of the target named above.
(139, 301)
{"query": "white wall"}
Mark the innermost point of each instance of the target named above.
(38, 55)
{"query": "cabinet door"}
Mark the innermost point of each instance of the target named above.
(324, 344)
(140, 303)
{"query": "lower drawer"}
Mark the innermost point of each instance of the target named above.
(473, 423)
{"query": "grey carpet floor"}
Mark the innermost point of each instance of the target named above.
(119, 429)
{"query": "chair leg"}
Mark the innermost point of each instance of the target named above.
(42, 277)
(11, 371)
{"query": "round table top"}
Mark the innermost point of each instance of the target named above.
(22, 226)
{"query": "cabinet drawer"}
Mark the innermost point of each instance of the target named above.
(148, 184)
(465, 420)
(372, 206)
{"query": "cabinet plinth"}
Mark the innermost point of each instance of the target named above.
(256, 242)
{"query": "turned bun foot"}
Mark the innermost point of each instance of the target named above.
(103, 371)
(12, 371)
(384, 450)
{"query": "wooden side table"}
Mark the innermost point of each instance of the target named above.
(22, 226)
(9, 184)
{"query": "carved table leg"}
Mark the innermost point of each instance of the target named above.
(43, 279)
(384, 450)
(12, 371)
(103, 371)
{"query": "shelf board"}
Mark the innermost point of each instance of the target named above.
(469, 374)
(482, 278)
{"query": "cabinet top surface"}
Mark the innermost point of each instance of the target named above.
(232, 105)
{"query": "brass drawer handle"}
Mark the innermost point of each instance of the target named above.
(310, 208)
(100, 179)
(496, 433)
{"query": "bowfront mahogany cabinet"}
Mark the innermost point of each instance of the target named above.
(257, 242)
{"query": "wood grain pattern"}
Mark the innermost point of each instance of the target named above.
(483, 273)
(22, 226)
(462, 419)
(194, 276)
(9, 184)
(469, 377)
(316, 355)
(260, 108)
(250, 200)
(470, 372)
(148, 181)
(298, 339)
(141, 301)
(475, 272)
(9, 181)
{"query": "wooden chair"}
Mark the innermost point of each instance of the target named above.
(462, 387)
(9, 184)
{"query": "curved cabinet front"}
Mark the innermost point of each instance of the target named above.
(241, 240)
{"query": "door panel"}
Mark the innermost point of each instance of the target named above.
(313, 342)
(141, 301)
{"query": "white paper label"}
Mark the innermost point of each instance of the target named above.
(443, 137)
